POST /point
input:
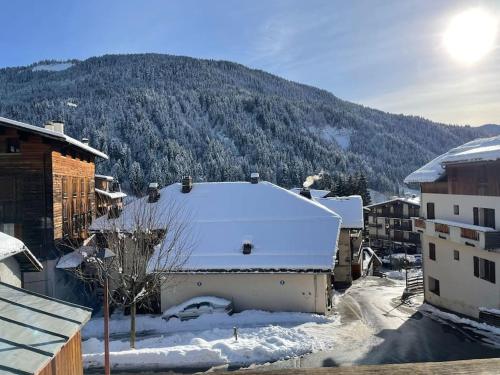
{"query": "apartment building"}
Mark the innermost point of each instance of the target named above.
(389, 227)
(460, 228)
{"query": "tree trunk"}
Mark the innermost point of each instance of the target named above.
(132, 325)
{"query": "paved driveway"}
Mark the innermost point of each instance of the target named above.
(379, 329)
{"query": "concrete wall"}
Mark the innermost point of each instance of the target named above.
(10, 272)
(342, 271)
(460, 290)
(263, 291)
(443, 206)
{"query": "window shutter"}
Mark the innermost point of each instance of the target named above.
(475, 211)
(492, 272)
(476, 266)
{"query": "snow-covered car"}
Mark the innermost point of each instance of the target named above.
(194, 307)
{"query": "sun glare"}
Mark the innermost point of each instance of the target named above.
(470, 35)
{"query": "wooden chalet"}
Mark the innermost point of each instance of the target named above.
(47, 179)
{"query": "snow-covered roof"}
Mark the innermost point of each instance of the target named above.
(350, 209)
(11, 246)
(111, 195)
(411, 200)
(104, 177)
(315, 193)
(52, 134)
(482, 149)
(287, 231)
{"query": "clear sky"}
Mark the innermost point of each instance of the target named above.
(387, 54)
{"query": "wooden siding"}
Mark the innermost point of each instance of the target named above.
(481, 178)
(73, 181)
(68, 360)
(25, 197)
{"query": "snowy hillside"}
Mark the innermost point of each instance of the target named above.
(160, 117)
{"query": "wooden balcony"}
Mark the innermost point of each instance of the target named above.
(442, 228)
(461, 233)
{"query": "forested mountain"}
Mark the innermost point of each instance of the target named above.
(160, 117)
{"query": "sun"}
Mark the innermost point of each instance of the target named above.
(470, 35)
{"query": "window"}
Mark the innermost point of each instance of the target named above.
(82, 187)
(13, 146)
(456, 254)
(430, 211)
(432, 251)
(456, 209)
(489, 217)
(484, 217)
(64, 187)
(484, 269)
(74, 186)
(434, 285)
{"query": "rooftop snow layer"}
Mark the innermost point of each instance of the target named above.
(52, 134)
(412, 200)
(111, 194)
(287, 231)
(350, 209)
(10, 246)
(482, 149)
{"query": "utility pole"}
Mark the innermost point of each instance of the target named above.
(106, 325)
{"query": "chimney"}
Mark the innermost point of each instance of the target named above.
(247, 248)
(58, 126)
(187, 184)
(305, 192)
(153, 192)
(85, 141)
(254, 178)
(49, 125)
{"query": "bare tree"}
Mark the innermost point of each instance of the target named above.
(138, 252)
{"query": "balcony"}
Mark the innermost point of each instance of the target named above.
(461, 233)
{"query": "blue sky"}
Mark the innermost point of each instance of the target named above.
(384, 54)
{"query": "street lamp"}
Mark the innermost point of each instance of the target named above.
(104, 256)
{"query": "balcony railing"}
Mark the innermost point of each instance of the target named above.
(461, 233)
(420, 223)
(470, 234)
(442, 228)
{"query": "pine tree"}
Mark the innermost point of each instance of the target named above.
(363, 190)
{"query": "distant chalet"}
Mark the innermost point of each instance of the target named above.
(47, 195)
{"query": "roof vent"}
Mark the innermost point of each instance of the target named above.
(85, 141)
(49, 125)
(187, 184)
(254, 178)
(305, 192)
(247, 248)
(58, 126)
(153, 192)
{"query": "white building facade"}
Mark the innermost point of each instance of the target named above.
(460, 228)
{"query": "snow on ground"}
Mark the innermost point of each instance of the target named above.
(55, 67)
(485, 332)
(401, 275)
(262, 337)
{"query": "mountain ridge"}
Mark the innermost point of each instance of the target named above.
(162, 116)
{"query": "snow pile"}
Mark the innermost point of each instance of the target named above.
(477, 150)
(214, 301)
(401, 275)
(262, 337)
(205, 349)
(10, 246)
(489, 334)
(120, 324)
